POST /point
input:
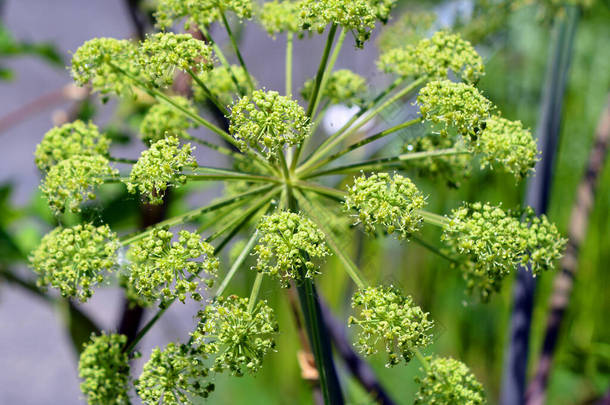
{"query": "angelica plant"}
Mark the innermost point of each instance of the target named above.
(284, 180)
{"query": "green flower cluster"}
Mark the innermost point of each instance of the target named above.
(390, 201)
(507, 144)
(162, 53)
(383, 8)
(96, 63)
(159, 167)
(388, 316)
(288, 245)
(75, 138)
(434, 57)
(448, 105)
(450, 168)
(74, 259)
(198, 13)
(162, 120)
(239, 337)
(342, 86)
(408, 29)
(221, 84)
(72, 181)
(449, 381)
(281, 16)
(358, 16)
(267, 122)
(174, 376)
(162, 270)
(496, 241)
(104, 368)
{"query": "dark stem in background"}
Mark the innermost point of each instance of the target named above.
(564, 281)
(141, 22)
(359, 368)
(538, 191)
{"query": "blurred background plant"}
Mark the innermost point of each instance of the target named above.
(514, 39)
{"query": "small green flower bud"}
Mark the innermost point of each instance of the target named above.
(390, 201)
(448, 381)
(435, 57)
(240, 338)
(342, 86)
(162, 120)
(72, 181)
(162, 270)
(96, 62)
(281, 16)
(507, 144)
(357, 16)
(452, 168)
(104, 368)
(387, 316)
(162, 53)
(160, 167)
(75, 138)
(267, 122)
(219, 82)
(198, 13)
(454, 106)
(175, 376)
(73, 260)
(496, 242)
(289, 244)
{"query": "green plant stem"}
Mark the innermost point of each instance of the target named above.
(237, 263)
(289, 51)
(422, 359)
(258, 281)
(121, 160)
(433, 249)
(328, 192)
(212, 146)
(351, 269)
(190, 215)
(223, 60)
(208, 93)
(231, 177)
(316, 88)
(386, 163)
(433, 219)
(360, 144)
(319, 118)
(339, 136)
(236, 48)
(327, 70)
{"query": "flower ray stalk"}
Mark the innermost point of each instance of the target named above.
(225, 22)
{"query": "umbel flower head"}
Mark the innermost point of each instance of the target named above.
(450, 168)
(104, 368)
(267, 122)
(387, 316)
(174, 376)
(160, 167)
(162, 53)
(198, 13)
(342, 86)
(435, 57)
(448, 381)
(497, 241)
(162, 120)
(239, 337)
(389, 201)
(220, 83)
(162, 270)
(72, 181)
(279, 16)
(96, 63)
(75, 138)
(288, 245)
(454, 106)
(75, 259)
(507, 144)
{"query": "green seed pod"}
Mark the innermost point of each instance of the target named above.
(387, 316)
(239, 338)
(288, 245)
(160, 167)
(104, 368)
(162, 270)
(73, 260)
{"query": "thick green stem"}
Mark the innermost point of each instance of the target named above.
(236, 48)
(433, 219)
(289, 51)
(258, 281)
(237, 263)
